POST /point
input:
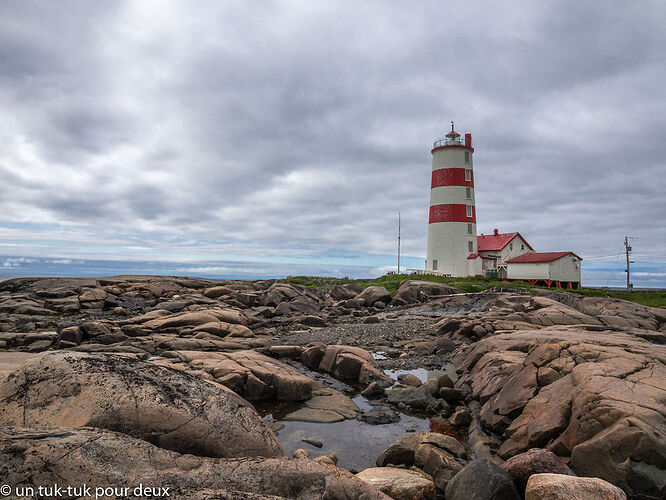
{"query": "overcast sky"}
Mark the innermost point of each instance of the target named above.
(296, 131)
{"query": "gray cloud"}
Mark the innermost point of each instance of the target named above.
(304, 128)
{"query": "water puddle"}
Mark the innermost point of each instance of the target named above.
(356, 443)
(424, 374)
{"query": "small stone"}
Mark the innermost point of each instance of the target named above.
(409, 379)
(373, 390)
(444, 380)
(449, 394)
(324, 460)
(301, 453)
(314, 442)
(460, 418)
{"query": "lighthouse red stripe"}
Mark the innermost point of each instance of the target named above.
(451, 212)
(451, 177)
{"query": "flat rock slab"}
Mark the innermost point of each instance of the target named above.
(326, 406)
(563, 487)
(10, 361)
(168, 408)
(71, 457)
(399, 484)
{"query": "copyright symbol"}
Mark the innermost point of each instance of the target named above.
(5, 490)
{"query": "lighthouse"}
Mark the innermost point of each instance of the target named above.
(452, 245)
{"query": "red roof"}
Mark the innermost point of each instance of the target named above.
(530, 258)
(473, 256)
(452, 133)
(496, 242)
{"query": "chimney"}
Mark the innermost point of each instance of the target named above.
(468, 140)
(495, 232)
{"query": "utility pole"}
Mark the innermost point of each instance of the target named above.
(627, 250)
(398, 242)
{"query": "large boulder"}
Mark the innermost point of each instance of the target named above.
(534, 461)
(72, 457)
(248, 373)
(399, 484)
(482, 480)
(438, 455)
(347, 363)
(605, 410)
(412, 291)
(171, 409)
(373, 294)
(563, 487)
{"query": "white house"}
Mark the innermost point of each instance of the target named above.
(559, 269)
(497, 248)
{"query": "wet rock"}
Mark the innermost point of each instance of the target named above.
(399, 484)
(535, 461)
(380, 415)
(165, 407)
(325, 406)
(562, 487)
(372, 319)
(482, 480)
(314, 442)
(414, 397)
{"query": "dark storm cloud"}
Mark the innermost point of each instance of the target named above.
(305, 127)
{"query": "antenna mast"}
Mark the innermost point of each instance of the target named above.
(627, 250)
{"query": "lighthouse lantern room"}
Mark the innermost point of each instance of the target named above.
(452, 244)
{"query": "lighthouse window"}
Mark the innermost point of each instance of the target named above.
(468, 174)
(469, 193)
(434, 265)
(466, 156)
(471, 246)
(469, 210)
(469, 229)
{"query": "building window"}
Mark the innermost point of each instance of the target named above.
(468, 174)
(469, 193)
(466, 156)
(470, 244)
(434, 265)
(522, 247)
(469, 229)
(510, 246)
(469, 210)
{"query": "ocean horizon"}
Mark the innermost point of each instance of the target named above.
(594, 274)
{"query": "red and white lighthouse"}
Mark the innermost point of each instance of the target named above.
(452, 221)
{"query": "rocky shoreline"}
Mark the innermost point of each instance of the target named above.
(154, 380)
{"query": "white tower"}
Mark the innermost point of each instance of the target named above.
(452, 222)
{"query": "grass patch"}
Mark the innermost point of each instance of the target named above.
(471, 284)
